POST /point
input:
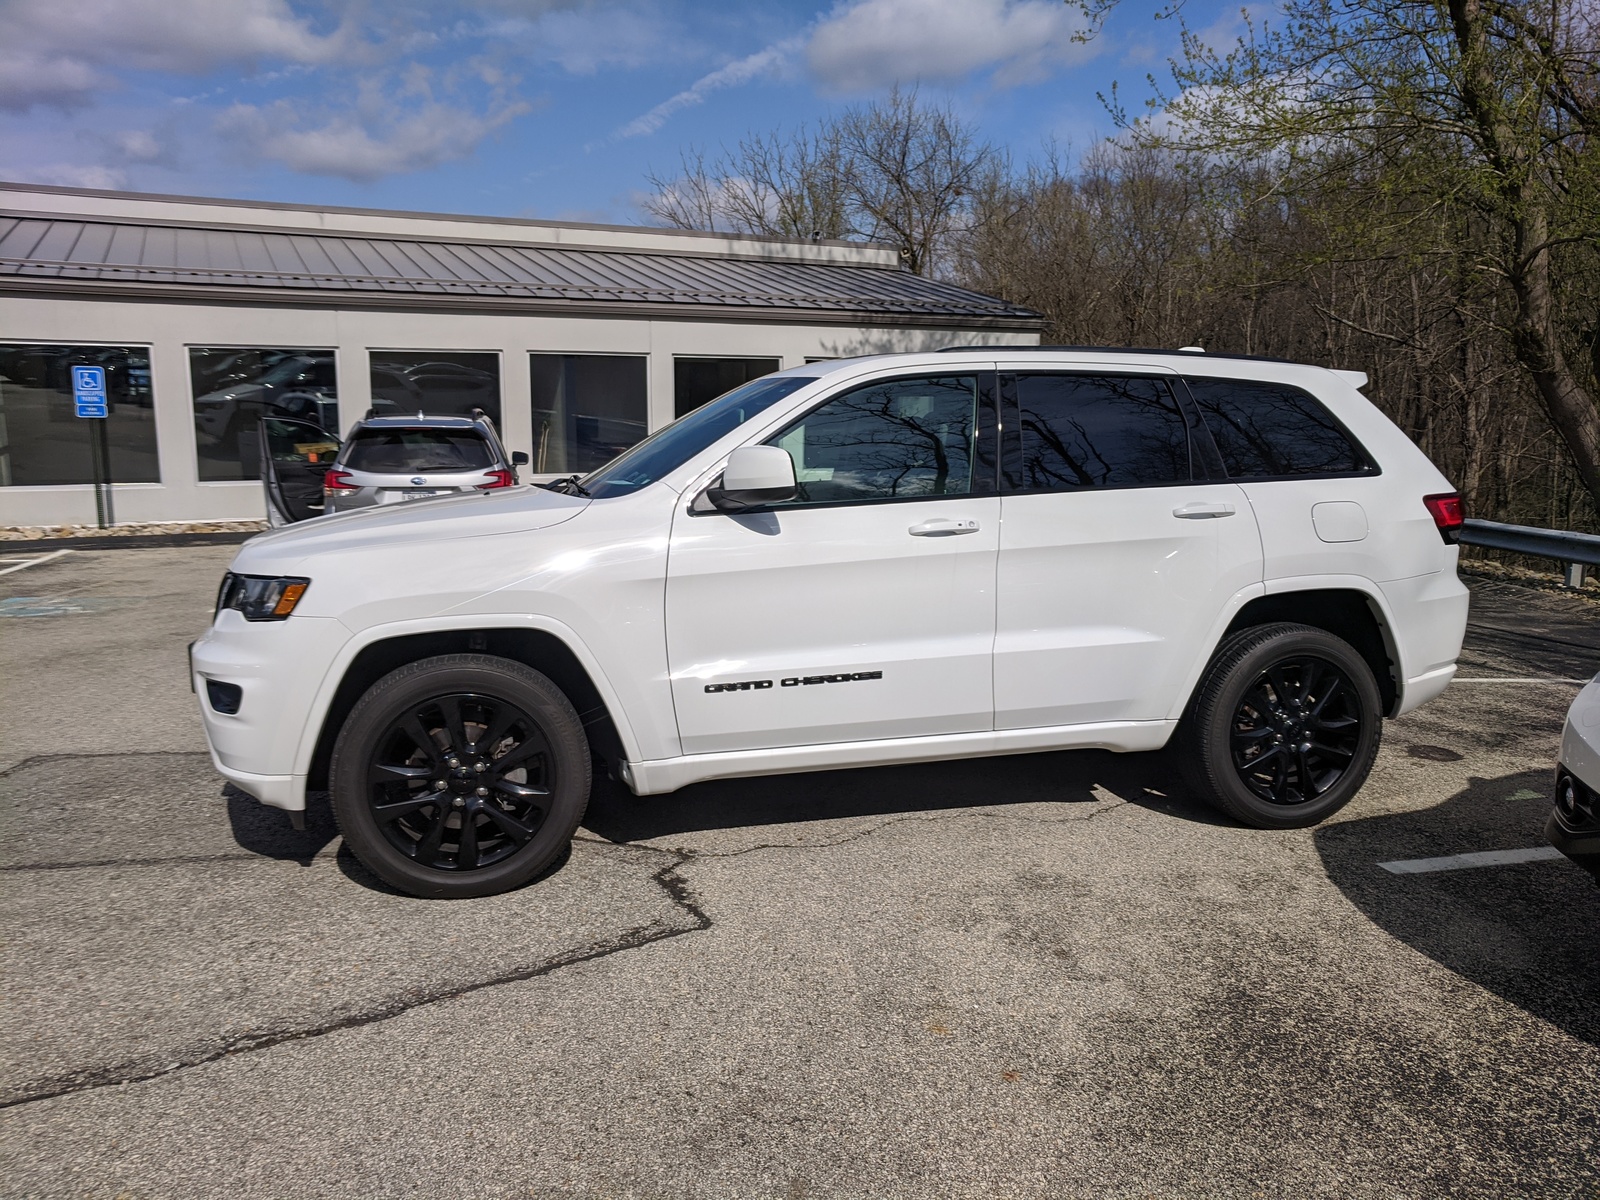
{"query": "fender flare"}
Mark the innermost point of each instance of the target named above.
(310, 732)
(1287, 586)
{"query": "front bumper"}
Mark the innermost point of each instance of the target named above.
(1574, 823)
(265, 748)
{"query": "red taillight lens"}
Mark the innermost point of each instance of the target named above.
(337, 481)
(1447, 514)
(497, 479)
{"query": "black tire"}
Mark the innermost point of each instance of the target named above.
(438, 819)
(1284, 727)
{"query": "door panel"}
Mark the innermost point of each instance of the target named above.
(1106, 597)
(862, 609)
(1115, 560)
(295, 457)
(780, 599)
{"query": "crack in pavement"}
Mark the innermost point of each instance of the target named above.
(691, 854)
(44, 758)
(667, 878)
(174, 861)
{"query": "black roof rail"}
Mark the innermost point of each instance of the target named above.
(1289, 362)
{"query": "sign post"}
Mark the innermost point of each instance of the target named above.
(91, 403)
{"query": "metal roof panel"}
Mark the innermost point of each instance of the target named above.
(201, 258)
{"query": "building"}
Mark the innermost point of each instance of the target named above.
(577, 339)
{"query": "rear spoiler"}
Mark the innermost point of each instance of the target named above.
(1356, 379)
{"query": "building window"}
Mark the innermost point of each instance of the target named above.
(587, 409)
(43, 440)
(234, 388)
(451, 385)
(697, 381)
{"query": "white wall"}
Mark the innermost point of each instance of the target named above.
(169, 329)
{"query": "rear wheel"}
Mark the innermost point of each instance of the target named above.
(1284, 727)
(461, 775)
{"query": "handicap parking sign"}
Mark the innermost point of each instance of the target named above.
(89, 391)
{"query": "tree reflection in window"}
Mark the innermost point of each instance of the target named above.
(1266, 430)
(1097, 431)
(891, 439)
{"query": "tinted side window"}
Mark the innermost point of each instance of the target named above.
(1083, 431)
(888, 440)
(1266, 430)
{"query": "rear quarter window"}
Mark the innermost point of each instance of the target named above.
(1274, 431)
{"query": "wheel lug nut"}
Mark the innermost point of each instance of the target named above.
(438, 783)
(483, 791)
(458, 802)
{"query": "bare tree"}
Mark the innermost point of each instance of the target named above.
(1487, 105)
(899, 171)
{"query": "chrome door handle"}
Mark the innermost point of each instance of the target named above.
(942, 527)
(1201, 510)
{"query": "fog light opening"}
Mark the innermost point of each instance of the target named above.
(224, 697)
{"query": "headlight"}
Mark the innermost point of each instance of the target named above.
(261, 599)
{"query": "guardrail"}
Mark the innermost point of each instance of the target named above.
(1576, 552)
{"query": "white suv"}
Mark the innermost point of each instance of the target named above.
(876, 560)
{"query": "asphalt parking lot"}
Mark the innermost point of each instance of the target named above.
(1052, 975)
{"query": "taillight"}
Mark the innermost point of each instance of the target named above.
(1447, 514)
(337, 481)
(498, 478)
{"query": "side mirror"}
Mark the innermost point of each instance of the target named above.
(755, 475)
(519, 458)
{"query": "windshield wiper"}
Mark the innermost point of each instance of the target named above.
(567, 486)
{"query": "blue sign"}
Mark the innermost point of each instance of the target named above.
(89, 391)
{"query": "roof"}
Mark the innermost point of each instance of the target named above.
(156, 201)
(57, 254)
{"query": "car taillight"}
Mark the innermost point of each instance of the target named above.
(498, 478)
(1447, 514)
(337, 481)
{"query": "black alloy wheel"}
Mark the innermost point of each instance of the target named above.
(1284, 727)
(1296, 731)
(460, 782)
(461, 775)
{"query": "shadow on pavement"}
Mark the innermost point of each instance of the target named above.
(1065, 777)
(267, 832)
(1526, 932)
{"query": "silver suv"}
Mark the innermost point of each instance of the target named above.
(385, 460)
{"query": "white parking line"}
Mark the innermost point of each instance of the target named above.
(1519, 681)
(1477, 858)
(34, 562)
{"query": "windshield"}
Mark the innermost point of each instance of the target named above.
(668, 449)
(406, 450)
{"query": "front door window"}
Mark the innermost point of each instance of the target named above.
(897, 439)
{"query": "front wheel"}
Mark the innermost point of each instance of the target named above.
(461, 775)
(1284, 727)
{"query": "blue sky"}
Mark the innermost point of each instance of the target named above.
(535, 108)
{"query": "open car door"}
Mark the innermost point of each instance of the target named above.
(295, 457)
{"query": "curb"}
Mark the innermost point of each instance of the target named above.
(136, 541)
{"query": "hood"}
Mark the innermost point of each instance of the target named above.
(449, 518)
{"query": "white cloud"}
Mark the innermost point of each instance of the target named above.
(364, 146)
(59, 52)
(68, 175)
(743, 70)
(582, 39)
(140, 146)
(865, 45)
